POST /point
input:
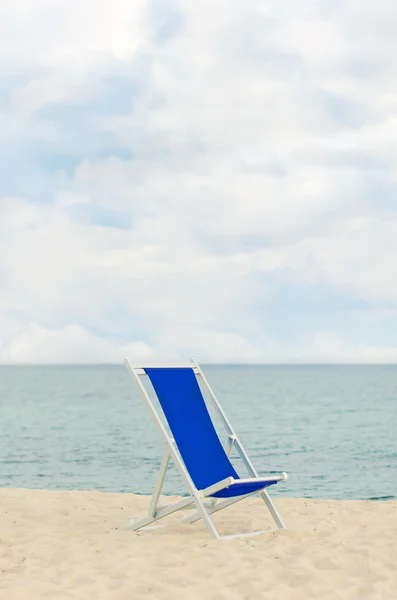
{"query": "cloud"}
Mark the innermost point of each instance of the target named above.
(190, 178)
(330, 349)
(70, 344)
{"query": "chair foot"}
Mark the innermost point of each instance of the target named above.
(135, 524)
(243, 535)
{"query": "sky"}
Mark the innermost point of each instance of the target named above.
(198, 178)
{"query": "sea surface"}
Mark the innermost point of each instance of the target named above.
(332, 428)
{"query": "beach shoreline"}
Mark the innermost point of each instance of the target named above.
(72, 544)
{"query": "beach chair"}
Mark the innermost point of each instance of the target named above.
(192, 442)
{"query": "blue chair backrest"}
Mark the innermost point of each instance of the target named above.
(187, 415)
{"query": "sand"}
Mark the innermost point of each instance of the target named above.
(71, 544)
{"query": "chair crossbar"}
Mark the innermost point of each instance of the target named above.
(216, 507)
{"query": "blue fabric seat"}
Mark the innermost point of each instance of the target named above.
(187, 415)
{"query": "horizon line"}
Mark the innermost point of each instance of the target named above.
(210, 364)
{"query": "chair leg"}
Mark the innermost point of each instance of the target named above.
(204, 514)
(159, 483)
(273, 510)
(225, 503)
(214, 508)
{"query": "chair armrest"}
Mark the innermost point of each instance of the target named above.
(217, 487)
(281, 477)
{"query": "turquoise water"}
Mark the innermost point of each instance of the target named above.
(333, 429)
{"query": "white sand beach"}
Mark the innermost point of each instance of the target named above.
(70, 544)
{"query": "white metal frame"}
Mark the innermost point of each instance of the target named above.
(196, 500)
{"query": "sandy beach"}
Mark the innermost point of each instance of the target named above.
(71, 544)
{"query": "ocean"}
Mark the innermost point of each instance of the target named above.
(332, 428)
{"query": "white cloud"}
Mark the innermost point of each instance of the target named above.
(258, 157)
(71, 344)
(332, 349)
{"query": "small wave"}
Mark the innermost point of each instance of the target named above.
(23, 462)
(374, 498)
